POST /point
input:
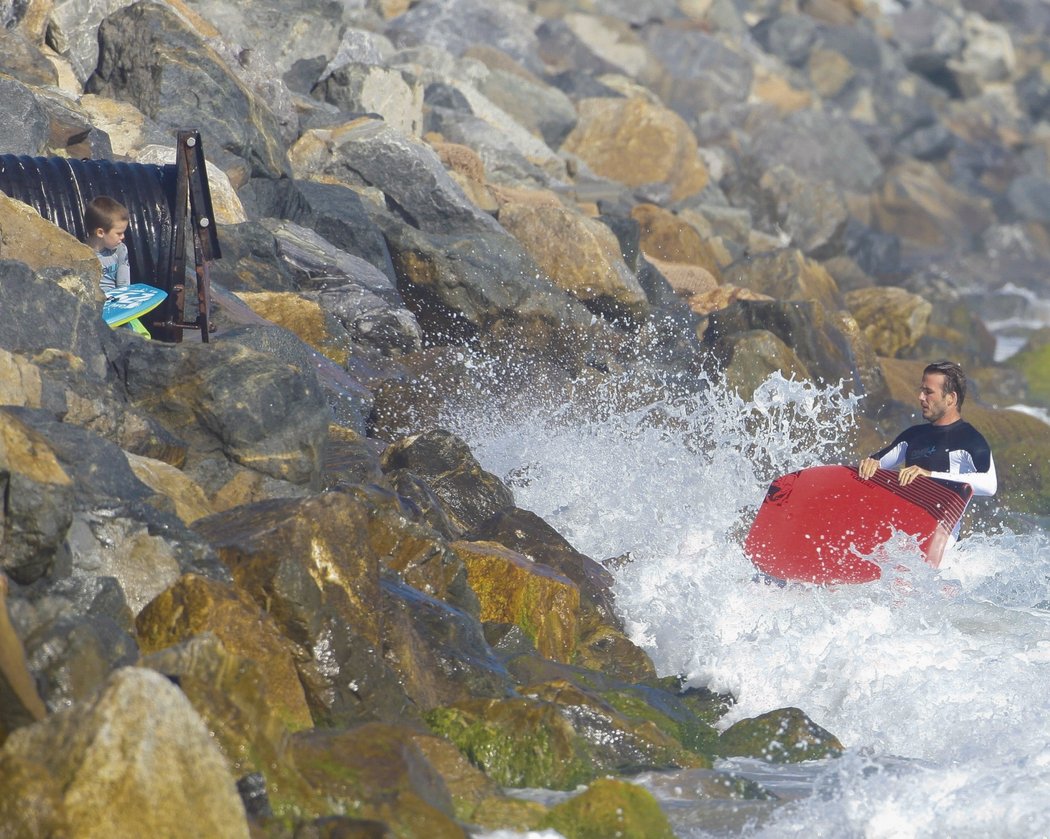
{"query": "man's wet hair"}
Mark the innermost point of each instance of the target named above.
(104, 213)
(954, 379)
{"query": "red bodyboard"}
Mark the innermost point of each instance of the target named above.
(816, 525)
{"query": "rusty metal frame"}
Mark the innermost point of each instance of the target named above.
(193, 215)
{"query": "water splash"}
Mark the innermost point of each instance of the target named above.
(934, 679)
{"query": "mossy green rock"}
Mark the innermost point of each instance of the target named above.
(516, 742)
(693, 733)
(1034, 362)
(608, 808)
(786, 735)
(618, 743)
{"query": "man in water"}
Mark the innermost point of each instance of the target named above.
(945, 447)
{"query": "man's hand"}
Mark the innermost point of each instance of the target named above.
(910, 473)
(867, 467)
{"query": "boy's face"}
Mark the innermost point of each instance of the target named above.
(109, 239)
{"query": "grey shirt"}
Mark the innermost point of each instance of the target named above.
(116, 271)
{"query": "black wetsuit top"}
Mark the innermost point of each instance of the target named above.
(955, 452)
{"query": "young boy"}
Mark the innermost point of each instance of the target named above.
(106, 221)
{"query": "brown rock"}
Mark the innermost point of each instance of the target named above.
(235, 698)
(669, 237)
(20, 382)
(20, 58)
(829, 71)
(136, 761)
(925, 211)
(892, 318)
(705, 302)
(636, 142)
(770, 87)
(195, 605)
(27, 237)
(687, 280)
(305, 563)
(785, 274)
(189, 499)
(468, 170)
(581, 255)
(303, 317)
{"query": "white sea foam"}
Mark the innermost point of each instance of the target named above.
(935, 680)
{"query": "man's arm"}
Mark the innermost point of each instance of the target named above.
(983, 482)
(888, 458)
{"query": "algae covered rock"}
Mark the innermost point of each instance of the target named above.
(557, 736)
(786, 735)
(609, 807)
(1034, 362)
(516, 742)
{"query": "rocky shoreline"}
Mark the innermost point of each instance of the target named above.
(253, 587)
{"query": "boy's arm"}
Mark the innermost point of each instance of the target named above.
(123, 266)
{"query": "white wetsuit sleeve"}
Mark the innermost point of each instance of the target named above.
(963, 469)
(894, 457)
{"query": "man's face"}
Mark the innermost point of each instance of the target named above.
(935, 404)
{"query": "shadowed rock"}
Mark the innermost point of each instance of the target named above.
(376, 771)
(38, 501)
(445, 462)
(260, 412)
(440, 652)
(368, 152)
(20, 703)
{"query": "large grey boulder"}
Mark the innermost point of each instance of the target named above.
(279, 34)
(482, 286)
(150, 57)
(816, 145)
(409, 173)
(24, 123)
(72, 31)
(700, 72)
(362, 298)
(457, 25)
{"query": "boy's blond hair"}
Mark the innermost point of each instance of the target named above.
(104, 213)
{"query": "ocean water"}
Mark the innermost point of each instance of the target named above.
(935, 680)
